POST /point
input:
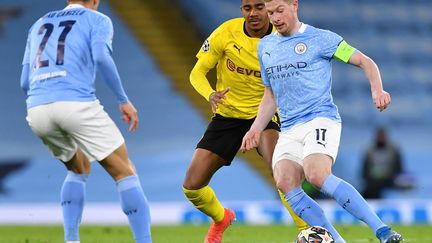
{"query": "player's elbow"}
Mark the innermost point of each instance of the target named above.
(101, 54)
(365, 61)
(195, 76)
(99, 58)
(192, 77)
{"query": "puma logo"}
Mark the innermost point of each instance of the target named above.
(322, 143)
(345, 205)
(238, 48)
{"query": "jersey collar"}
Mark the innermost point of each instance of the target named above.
(302, 28)
(74, 5)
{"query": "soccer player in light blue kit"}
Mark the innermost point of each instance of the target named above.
(296, 70)
(64, 50)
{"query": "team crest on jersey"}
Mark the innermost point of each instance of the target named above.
(300, 48)
(206, 46)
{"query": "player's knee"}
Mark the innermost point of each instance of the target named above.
(78, 164)
(316, 178)
(286, 184)
(192, 184)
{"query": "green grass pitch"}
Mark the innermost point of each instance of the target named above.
(237, 233)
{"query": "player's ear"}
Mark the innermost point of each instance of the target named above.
(95, 4)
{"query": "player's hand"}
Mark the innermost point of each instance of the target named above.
(250, 140)
(217, 98)
(381, 99)
(129, 115)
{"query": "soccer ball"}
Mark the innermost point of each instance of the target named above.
(314, 234)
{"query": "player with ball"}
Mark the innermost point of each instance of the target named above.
(296, 71)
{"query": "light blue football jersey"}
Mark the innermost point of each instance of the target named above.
(298, 70)
(59, 54)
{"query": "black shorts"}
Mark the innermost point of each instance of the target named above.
(224, 135)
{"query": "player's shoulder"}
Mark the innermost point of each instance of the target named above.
(231, 25)
(222, 32)
(312, 30)
(268, 38)
(98, 16)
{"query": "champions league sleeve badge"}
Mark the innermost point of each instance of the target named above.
(206, 46)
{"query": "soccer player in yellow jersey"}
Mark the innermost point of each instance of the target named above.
(232, 48)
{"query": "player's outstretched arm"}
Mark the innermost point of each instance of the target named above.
(380, 97)
(199, 81)
(108, 70)
(198, 77)
(129, 115)
(266, 111)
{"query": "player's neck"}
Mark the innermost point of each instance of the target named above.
(89, 4)
(258, 33)
(290, 32)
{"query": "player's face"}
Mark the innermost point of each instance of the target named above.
(283, 15)
(255, 14)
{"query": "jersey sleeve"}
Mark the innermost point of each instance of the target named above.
(213, 46)
(208, 56)
(24, 79)
(26, 57)
(102, 32)
(329, 42)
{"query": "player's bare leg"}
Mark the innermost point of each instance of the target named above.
(117, 164)
(268, 140)
(203, 166)
(195, 187)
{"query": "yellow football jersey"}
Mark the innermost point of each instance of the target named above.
(235, 54)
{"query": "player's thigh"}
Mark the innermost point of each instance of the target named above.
(94, 131)
(201, 169)
(43, 120)
(288, 174)
(288, 147)
(223, 137)
(317, 167)
(322, 136)
(117, 164)
(321, 147)
(79, 163)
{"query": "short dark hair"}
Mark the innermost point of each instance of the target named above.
(288, 1)
(78, 1)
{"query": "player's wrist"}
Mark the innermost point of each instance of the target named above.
(211, 95)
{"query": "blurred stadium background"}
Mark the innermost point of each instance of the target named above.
(155, 45)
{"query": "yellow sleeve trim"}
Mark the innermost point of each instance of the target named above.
(344, 52)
